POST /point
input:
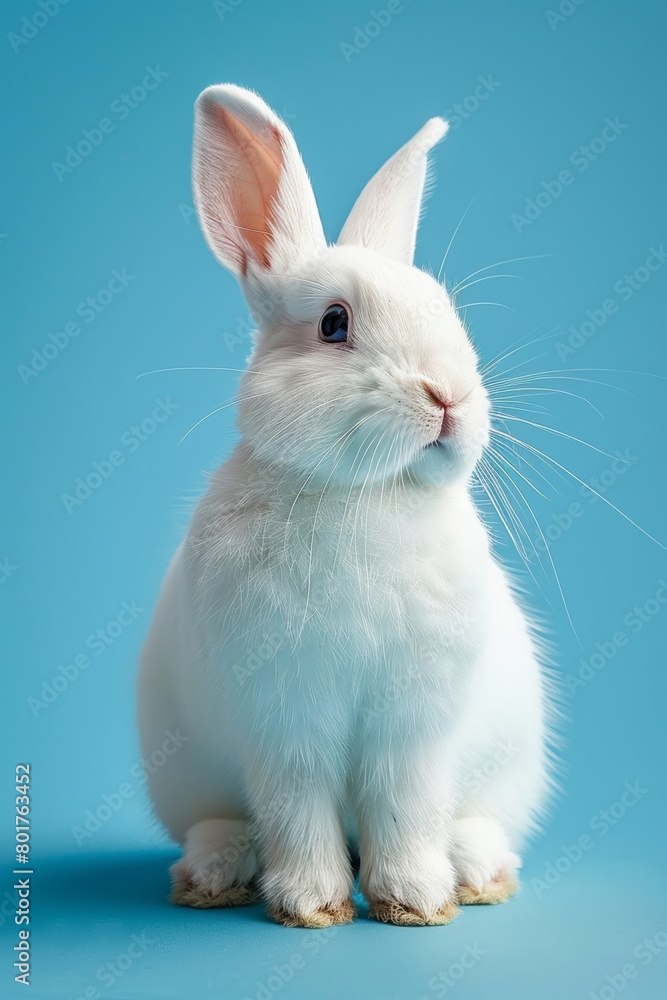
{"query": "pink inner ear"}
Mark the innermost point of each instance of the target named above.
(255, 186)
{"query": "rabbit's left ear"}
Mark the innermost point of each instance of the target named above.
(385, 216)
(252, 193)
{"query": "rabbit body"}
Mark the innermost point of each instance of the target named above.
(385, 699)
(342, 655)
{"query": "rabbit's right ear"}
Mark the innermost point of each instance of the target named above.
(385, 216)
(253, 197)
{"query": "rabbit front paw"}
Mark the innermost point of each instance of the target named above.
(412, 892)
(309, 897)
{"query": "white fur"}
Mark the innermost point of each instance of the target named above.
(334, 635)
(218, 855)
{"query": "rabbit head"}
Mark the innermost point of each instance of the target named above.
(362, 370)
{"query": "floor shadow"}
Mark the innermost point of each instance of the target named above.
(110, 882)
(123, 878)
(135, 880)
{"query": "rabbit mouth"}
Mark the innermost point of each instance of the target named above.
(447, 429)
(443, 444)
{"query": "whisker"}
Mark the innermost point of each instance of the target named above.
(449, 245)
(522, 459)
(490, 277)
(218, 409)
(499, 263)
(519, 345)
(346, 434)
(515, 441)
(558, 373)
(494, 471)
(548, 459)
(312, 537)
(259, 395)
(520, 404)
(492, 451)
(483, 470)
(201, 368)
(353, 472)
(369, 477)
(542, 390)
(390, 452)
(469, 305)
(313, 408)
(554, 430)
(548, 552)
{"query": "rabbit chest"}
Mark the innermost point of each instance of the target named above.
(343, 608)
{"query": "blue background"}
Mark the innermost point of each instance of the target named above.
(127, 205)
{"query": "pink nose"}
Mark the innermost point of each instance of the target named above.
(435, 396)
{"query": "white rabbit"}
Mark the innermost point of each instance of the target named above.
(344, 658)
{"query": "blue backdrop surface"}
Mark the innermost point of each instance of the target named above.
(555, 161)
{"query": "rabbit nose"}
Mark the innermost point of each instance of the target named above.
(436, 397)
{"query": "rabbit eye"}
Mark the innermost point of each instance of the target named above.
(333, 324)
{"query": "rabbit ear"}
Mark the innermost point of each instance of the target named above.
(385, 216)
(254, 200)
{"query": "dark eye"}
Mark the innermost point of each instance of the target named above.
(333, 324)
